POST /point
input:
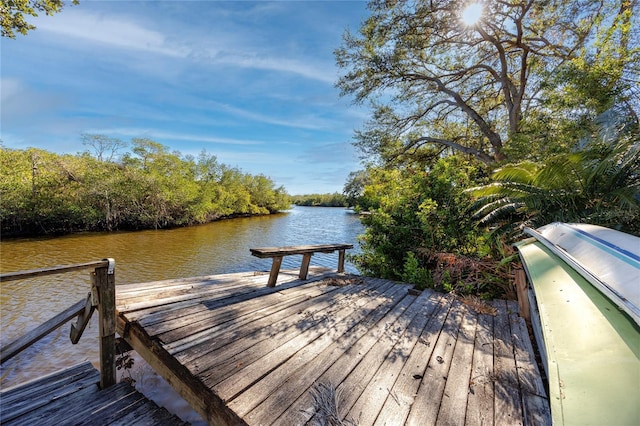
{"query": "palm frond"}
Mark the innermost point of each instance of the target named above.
(523, 172)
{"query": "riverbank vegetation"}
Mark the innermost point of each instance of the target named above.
(147, 187)
(320, 200)
(527, 116)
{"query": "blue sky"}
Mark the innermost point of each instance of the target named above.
(250, 82)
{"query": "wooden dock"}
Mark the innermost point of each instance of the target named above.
(72, 396)
(361, 350)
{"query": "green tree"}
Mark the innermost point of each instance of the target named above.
(321, 200)
(104, 148)
(354, 189)
(599, 185)
(435, 81)
(414, 208)
(13, 14)
(149, 187)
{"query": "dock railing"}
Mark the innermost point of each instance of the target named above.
(101, 297)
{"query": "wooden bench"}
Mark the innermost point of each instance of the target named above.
(277, 253)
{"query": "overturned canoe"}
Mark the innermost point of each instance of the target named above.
(608, 259)
(583, 294)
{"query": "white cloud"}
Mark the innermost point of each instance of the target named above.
(309, 122)
(155, 134)
(116, 31)
(298, 67)
(123, 32)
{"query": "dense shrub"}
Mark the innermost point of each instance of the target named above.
(149, 187)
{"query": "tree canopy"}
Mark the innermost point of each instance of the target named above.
(13, 14)
(146, 187)
(435, 81)
(546, 92)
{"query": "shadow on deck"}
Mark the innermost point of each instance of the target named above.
(242, 353)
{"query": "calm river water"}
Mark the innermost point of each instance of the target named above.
(218, 247)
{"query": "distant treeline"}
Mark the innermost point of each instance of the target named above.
(321, 200)
(149, 187)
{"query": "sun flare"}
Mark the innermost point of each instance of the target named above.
(471, 14)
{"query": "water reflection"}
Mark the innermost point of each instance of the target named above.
(219, 247)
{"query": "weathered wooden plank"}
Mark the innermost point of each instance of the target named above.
(481, 394)
(138, 416)
(357, 380)
(280, 395)
(256, 350)
(171, 296)
(208, 321)
(48, 411)
(72, 396)
(259, 328)
(396, 407)
(380, 388)
(256, 365)
(109, 405)
(174, 329)
(55, 380)
(425, 408)
(277, 253)
(239, 293)
(126, 415)
(82, 320)
(537, 410)
(105, 281)
(454, 400)
(112, 410)
(198, 396)
(246, 278)
(113, 394)
(15, 347)
(223, 332)
(264, 252)
(281, 325)
(507, 405)
(210, 294)
(20, 275)
(277, 349)
(32, 395)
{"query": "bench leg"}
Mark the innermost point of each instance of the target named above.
(304, 268)
(275, 270)
(340, 260)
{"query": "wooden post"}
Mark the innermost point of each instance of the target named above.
(522, 292)
(340, 261)
(304, 268)
(106, 282)
(275, 270)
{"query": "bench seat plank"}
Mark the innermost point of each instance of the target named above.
(265, 252)
(277, 253)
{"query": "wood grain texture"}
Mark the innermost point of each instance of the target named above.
(72, 396)
(264, 252)
(243, 353)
